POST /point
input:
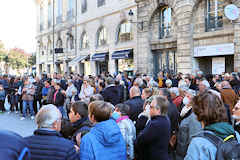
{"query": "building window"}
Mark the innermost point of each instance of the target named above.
(124, 33)
(214, 17)
(100, 3)
(49, 47)
(70, 41)
(165, 22)
(84, 6)
(102, 37)
(41, 18)
(59, 11)
(59, 43)
(60, 7)
(84, 41)
(50, 14)
(70, 9)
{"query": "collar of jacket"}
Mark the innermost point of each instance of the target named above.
(136, 97)
(111, 85)
(47, 132)
(221, 129)
(79, 122)
(157, 117)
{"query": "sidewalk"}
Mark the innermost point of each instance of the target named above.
(12, 122)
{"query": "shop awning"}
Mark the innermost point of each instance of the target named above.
(123, 54)
(99, 56)
(78, 59)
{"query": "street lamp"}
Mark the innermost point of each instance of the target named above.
(139, 24)
(53, 51)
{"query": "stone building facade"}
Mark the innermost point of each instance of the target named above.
(94, 36)
(187, 35)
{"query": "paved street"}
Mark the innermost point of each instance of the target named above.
(12, 122)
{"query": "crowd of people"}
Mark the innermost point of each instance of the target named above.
(168, 117)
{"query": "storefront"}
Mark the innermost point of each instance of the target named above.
(101, 62)
(78, 64)
(164, 60)
(123, 60)
(215, 59)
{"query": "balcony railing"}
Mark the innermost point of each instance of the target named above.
(59, 19)
(69, 14)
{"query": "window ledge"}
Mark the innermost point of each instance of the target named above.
(217, 33)
(165, 40)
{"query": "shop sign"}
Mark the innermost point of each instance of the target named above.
(214, 50)
(218, 65)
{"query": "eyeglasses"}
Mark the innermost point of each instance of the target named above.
(236, 108)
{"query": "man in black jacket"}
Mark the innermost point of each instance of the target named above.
(38, 94)
(59, 99)
(173, 116)
(135, 102)
(111, 92)
(47, 142)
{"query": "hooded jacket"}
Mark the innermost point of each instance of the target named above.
(202, 148)
(103, 142)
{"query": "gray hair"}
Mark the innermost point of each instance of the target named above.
(183, 85)
(191, 92)
(47, 115)
(168, 82)
(139, 81)
(161, 104)
(174, 90)
(206, 83)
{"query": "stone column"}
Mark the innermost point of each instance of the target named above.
(237, 47)
(143, 55)
(184, 36)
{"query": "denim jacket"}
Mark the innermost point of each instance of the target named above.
(201, 148)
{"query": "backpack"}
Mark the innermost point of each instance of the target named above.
(227, 149)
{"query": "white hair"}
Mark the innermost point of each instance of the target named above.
(205, 83)
(139, 81)
(47, 115)
(174, 90)
(183, 85)
(152, 83)
(168, 82)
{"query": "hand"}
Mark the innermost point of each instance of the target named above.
(76, 148)
(78, 138)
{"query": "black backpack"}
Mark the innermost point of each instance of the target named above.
(228, 149)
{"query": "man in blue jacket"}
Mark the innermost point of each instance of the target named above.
(47, 143)
(104, 141)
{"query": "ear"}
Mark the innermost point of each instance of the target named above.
(92, 118)
(78, 115)
(54, 126)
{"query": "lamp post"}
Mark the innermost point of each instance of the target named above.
(76, 14)
(53, 51)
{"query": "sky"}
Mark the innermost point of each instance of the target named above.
(18, 24)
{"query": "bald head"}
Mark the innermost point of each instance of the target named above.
(134, 92)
